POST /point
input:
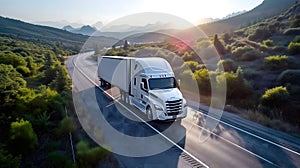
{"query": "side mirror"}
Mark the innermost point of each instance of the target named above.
(178, 82)
(142, 85)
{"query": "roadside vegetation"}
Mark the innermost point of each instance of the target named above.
(261, 65)
(35, 93)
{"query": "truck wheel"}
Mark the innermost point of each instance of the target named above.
(149, 113)
(123, 96)
(102, 83)
(127, 98)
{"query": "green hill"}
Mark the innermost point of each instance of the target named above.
(20, 30)
(43, 34)
(267, 9)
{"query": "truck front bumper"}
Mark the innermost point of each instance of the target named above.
(165, 116)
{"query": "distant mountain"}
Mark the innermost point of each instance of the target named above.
(234, 14)
(58, 24)
(267, 9)
(68, 28)
(130, 31)
(84, 30)
(151, 27)
(87, 30)
(98, 25)
(48, 35)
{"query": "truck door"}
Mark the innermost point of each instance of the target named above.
(143, 92)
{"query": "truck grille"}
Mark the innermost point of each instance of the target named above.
(174, 107)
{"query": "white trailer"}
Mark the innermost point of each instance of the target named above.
(147, 83)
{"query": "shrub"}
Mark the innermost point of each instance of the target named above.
(10, 83)
(297, 39)
(259, 34)
(65, 126)
(193, 65)
(23, 70)
(275, 98)
(279, 49)
(294, 48)
(237, 86)
(252, 74)
(292, 31)
(89, 157)
(58, 159)
(250, 55)
(237, 52)
(185, 80)
(62, 81)
(203, 80)
(227, 64)
(268, 42)
(276, 62)
(22, 137)
(8, 160)
(12, 59)
(289, 76)
(245, 53)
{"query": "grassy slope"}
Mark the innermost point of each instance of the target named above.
(268, 8)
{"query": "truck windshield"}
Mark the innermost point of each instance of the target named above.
(162, 83)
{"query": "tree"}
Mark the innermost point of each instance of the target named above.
(203, 80)
(49, 60)
(31, 65)
(65, 126)
(62, 81)
(22, 137)
(219, 46)
(12, 59)
(10, 82)
(126, 45)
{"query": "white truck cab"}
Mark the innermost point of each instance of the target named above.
(147, 83)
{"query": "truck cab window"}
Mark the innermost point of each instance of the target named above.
(134, 82)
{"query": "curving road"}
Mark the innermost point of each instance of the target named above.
(235, 142)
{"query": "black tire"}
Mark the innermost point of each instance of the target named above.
(100, 82)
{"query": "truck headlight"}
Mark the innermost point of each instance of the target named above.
(157, 107)
(184, 103)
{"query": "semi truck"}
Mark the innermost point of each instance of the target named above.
(147, 83)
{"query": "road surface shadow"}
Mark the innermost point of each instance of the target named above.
(269, 155)
(124, 124)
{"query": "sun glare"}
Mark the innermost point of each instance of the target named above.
(193, 10)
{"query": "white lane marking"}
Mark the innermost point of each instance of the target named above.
(236, 145)
(175, 144)
(249, 133)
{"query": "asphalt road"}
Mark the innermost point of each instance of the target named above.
(234, 143)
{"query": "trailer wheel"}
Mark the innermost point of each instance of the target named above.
(149, 113)
(102, 83)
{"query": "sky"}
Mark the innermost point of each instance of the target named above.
(92, 11)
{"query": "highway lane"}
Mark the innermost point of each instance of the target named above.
(227, 147)
(88, 112)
